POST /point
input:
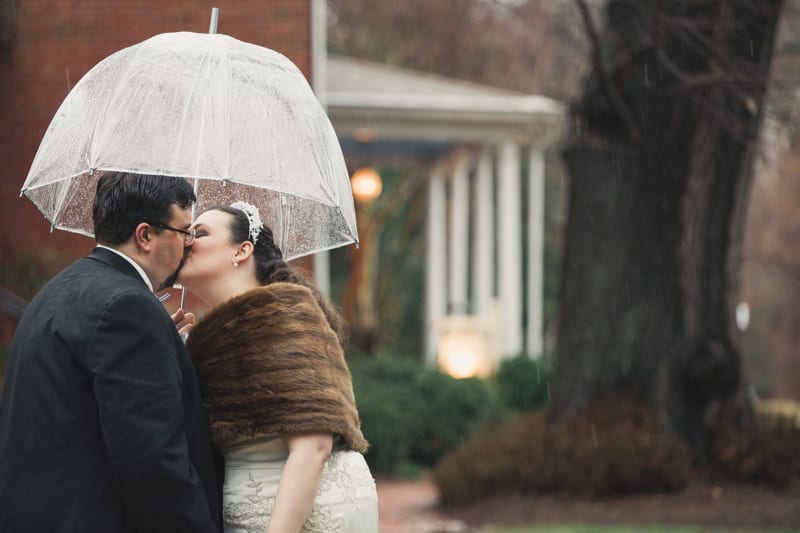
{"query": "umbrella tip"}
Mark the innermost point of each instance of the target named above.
(212, 27)
(52, 227)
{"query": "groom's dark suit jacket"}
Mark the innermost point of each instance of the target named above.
(101, 424)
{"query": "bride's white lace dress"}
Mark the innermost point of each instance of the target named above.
(346, 502)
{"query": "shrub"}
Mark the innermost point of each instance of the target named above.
(765, 450)
(388, 408)
(618, 448)
(501, 456)
(412, 415)
(452, 408)
(611, 448)
(524, 383)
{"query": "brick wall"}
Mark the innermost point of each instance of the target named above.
(57, 42)
(60, 40)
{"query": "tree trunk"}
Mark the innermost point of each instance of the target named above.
(660, 162)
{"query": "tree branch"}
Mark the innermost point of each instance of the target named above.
(611, 92)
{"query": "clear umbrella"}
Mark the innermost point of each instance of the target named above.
(238, 119)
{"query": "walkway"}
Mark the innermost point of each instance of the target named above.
(410, 507)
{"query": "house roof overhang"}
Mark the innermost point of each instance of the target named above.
(383, 103)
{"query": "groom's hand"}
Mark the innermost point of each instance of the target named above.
(184, 322)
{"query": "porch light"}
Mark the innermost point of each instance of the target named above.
(464, 347)
(366, 184)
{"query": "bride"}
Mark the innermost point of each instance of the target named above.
(275, 384)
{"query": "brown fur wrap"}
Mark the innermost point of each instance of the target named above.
(269, 363)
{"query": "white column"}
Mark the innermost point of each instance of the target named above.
(322, 272)
(319, 50)
(435, 272)
(459, 236)
(535, 251)
(510, 249)
(483, 238)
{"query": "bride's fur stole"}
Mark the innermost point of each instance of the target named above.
(269, 363)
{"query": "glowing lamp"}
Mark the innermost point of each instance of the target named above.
(464, 348)
(366, 184)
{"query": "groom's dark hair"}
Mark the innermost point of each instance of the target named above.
(125, 200)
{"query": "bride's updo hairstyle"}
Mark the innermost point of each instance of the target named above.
(271, 268)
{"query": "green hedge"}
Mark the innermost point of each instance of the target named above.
(412, 415)
(523, 383)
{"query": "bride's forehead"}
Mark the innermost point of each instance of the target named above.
(214, 218)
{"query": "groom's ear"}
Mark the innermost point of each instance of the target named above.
(142, 236)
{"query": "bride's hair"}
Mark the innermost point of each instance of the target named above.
(271, 268)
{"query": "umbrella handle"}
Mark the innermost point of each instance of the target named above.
(194, 213)
(212, 27)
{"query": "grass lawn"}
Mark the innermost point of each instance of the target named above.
(624, 529)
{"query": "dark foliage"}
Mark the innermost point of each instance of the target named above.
(524, 383)
(412, 415)
(767, 451)
(614, 449)
(610, 449)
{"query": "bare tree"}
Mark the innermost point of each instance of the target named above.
(534, 46)
(660, 166)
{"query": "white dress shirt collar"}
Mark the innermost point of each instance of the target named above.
(133, 263)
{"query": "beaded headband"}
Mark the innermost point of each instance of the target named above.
(253, 217)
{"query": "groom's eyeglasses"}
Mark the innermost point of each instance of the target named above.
(188, 233)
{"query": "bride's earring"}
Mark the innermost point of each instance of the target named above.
(235, 263)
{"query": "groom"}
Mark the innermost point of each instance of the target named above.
(101, 425)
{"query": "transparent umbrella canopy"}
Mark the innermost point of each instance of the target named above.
(238, 120)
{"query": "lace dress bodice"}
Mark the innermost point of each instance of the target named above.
(346, 502)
